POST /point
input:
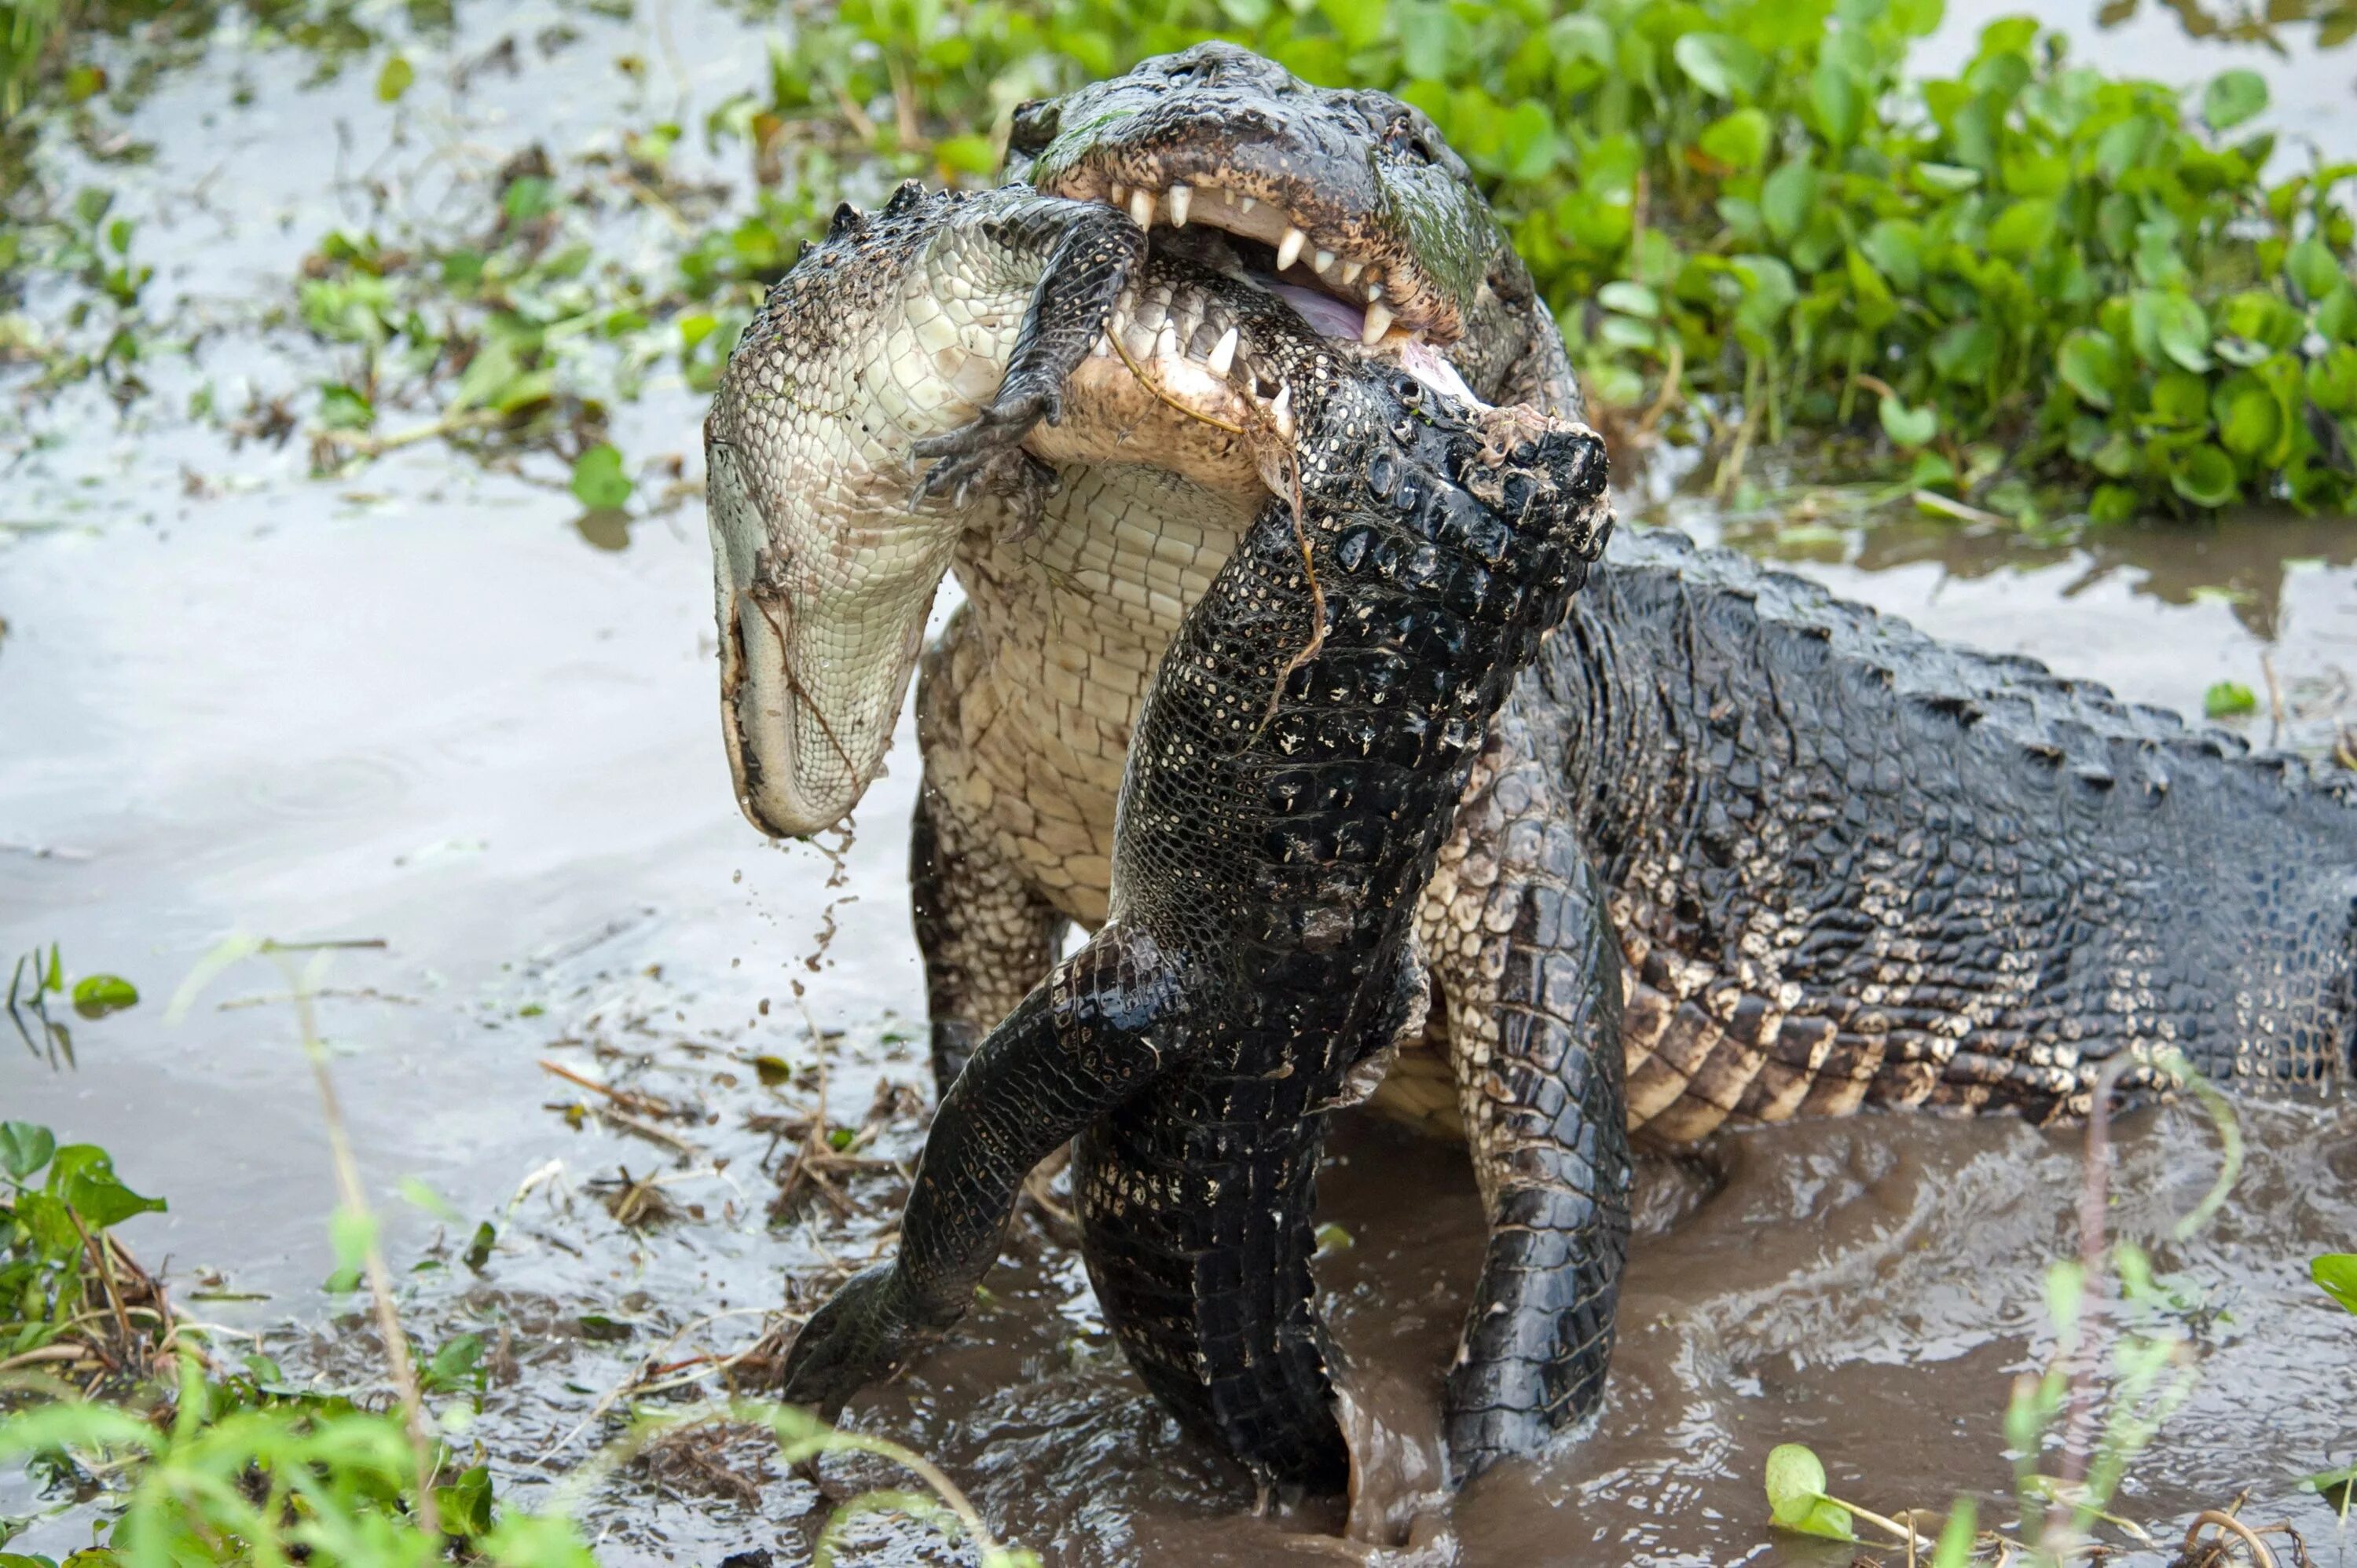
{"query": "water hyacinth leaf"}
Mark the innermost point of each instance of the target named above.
(2336, 1275)
(2233, 97)
(598, 480)
(2024, 229)
(1720, 64)
(1839, 103)
(96, 995)
(1630, 299)
(2313, 267)
(1359, 23)
(2229, 699)
(1786, 197)
(1908, 426)
(2183, 330)
(25, 1148)
(2248, 419)
(2204, 476)
(1796, 1495)
(1945, 179)
(1738, 140)
(2089, 365)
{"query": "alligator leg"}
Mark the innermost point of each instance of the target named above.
(986, 934)
(1526, 963)
(1103, 1025)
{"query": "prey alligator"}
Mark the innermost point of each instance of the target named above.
(1298, 760)
(1843, 865)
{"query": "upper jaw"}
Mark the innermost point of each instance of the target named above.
(1315, 244)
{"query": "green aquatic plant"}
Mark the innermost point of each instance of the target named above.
(2028, 283)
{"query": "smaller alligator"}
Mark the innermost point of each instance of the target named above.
(1298, 765)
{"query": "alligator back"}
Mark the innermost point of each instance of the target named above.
(1853, 865)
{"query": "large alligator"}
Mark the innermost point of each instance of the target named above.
(1846, 866)
(1297, 762)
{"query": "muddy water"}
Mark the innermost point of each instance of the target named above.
(424, 707)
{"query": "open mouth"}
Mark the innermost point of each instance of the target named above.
(1386, 305)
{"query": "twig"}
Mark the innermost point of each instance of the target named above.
(1947, 506)
(355, 1200)
(2227, 1524)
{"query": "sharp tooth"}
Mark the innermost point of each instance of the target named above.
(1374, 291)
(1351, 270)
(1280, 410)
(1117, 194)
(1379, 321)
(1141, 208)
(1180, 198)
(1223, 352)
(1245, 204)
(1288, 249)
(1319, 261)
(1165, 342)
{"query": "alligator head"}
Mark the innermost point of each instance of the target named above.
(1348, 203)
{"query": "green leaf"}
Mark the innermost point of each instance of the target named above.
(2249, 419)
(1955, 1547)
(1786, 198)
(353, 1232)
(82, 1176)
(1908, 426)
(96, 995)
(2205, 476)
(966, 155)
(2226, 699)
(2333, 1486)
(2233, 97)
(2336, 1275)
(1333, 1237)
(2111, 504)
(25, 1148)
(1359, 23)
(1720, 63)
(2089, 363)
(2312, 265)
(1945, 179)
(1796, 1495)
(1839, 103)
(1630, 299)
(1738, 140)
(466, 1503)
(393, 80)
(2184, 331)
(1526, 141)
(599, 479)
(2024, 229)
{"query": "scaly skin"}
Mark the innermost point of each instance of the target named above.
(1298, 761)
(1025, 706)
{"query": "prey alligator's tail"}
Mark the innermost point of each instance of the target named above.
(1225, 1334)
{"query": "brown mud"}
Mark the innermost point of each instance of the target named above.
(431, 703)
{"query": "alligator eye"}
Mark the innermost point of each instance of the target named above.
(1035, 125)
(1400, 137)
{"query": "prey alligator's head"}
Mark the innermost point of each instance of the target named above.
(1348, 202)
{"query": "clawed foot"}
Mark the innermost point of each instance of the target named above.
(862, 1335)
(986, 457)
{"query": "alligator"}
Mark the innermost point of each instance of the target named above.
(1299, 759)
(1843, 865)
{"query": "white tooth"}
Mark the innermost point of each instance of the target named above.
(1141, 208)
(1182, 197)
(1165, 342)
(1379, 321)
(1288, 249)
(1374, 291)
(1245, 204)
(1320, 260)
(1117, 194)
(1280, 410)
(1223, 353)
(1351, 270)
